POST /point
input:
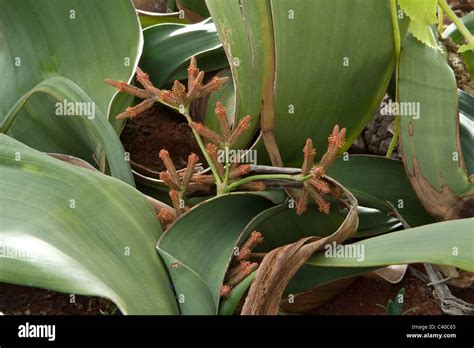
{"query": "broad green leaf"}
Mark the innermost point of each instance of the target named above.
(274, 196)
(169, 47)
(372, 218)
(195, 10)
(437, 100)
(154, 188)
(430, 142)
(309, 276)
(352, 40)
(147, 19)
(281, 225)
(198, 247)
(373, 222)
(60, 89)
(85, 41)
(453, 32)
(375, 180)
(444, 243)
(245, 30)
(423, 11)
(73, 230)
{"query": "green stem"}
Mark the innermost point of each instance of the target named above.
(440, 20)
(227, 165)
(455, 19)
(248, 179)
(398, 48)
(396, 134)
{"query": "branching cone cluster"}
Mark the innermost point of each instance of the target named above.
(219, 141)
(241, 266)
(177, 97)
(315, 186)
(178, 184)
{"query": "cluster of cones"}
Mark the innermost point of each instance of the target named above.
(187, 181)
(219, 141)
(315, 186)
(177, 97)
(241, 266)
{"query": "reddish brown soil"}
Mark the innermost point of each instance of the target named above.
(361, 298)
(18, 300)
(155, 129)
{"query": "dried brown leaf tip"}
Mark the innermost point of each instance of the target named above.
(226, 137)
(315, 186)
(241, 266)
(178, 97)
